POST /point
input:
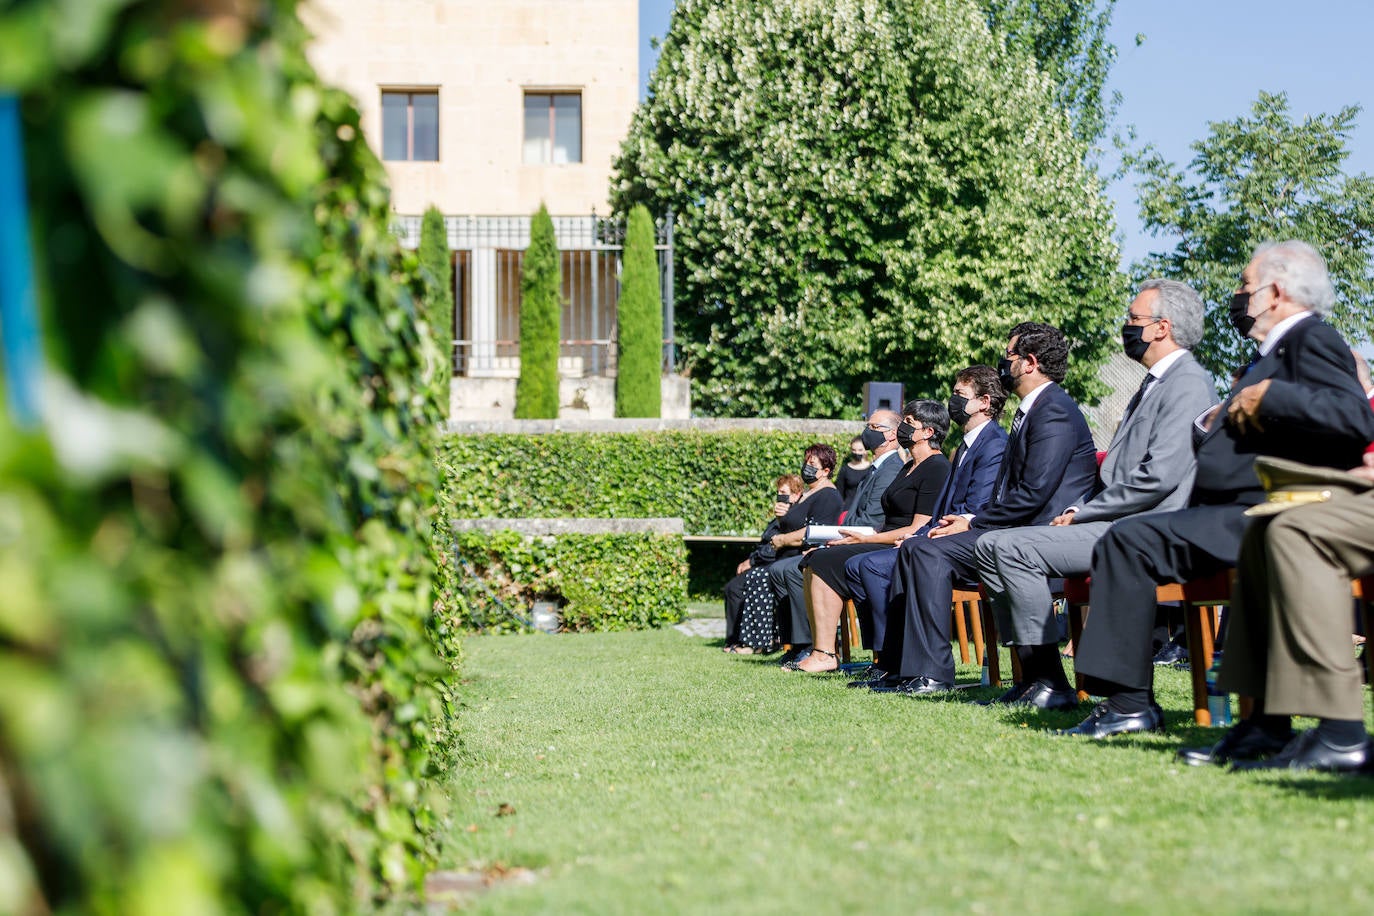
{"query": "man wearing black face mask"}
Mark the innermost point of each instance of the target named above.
(1298, 400)
(1148, 468)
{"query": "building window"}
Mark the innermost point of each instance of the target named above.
(410, 126)
(553, 128)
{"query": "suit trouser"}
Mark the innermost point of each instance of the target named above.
(1288, 637)
(870, 579)
(1015, 566)
(734, 604)
(927, 570)
(1130, 560)
(786, 578)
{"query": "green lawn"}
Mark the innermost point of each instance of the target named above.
(650, 773)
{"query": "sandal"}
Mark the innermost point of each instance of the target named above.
(815, 651)
(740, 650)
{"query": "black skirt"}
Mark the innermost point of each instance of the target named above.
(828, 563)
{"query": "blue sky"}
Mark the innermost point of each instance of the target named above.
(1208, 60)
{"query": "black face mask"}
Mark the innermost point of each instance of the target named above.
(873, 439)
(1132, 343)
(1240, 320)
(1005, 377)
(958, 409)
(906, 435)
(856, 457)
(783, 499)
(809, 473)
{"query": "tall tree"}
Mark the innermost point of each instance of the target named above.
(1252, 179)
(864, 189)
(536, 391)
(639, 334)
(436, 278)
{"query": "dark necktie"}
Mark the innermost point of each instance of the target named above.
(959, 454)
(1016, 422)
(1139, 395)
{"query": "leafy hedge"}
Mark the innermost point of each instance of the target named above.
(602, 581)
(219, 668)
(719, 483)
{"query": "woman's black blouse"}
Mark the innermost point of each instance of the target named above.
(914, 492)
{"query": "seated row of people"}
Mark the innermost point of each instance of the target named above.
(1167, 504)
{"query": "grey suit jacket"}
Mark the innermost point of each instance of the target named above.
(866, 507)
(1150, 463)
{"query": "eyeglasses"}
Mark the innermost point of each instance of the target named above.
(1131, 318)
(879, 427)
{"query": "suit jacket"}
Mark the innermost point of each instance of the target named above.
(968, 489)
(866, 506)
(1150, 463)
(1050, 464)
(1314, 412)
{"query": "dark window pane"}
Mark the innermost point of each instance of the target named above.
(394, 126)
(425, 106)
(537, 149)
(567, 128)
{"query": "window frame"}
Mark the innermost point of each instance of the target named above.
(410, 92)
(551, 93)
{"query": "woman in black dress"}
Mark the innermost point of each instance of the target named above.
(907, 505)
(855, 469)
(788, 489)
(819, 505)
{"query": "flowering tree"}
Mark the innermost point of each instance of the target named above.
(864, 189)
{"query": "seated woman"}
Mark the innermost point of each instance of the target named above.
(855, 469)
(907, 505)
(788, 490)
(819, 505)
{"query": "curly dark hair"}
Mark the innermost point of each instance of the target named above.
(1046, 343)
(822, 453)
(983, 381)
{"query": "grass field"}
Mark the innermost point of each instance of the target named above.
(649, 773)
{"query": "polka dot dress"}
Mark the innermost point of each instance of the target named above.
(758, 624)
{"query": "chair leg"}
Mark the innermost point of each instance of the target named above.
(960, 629)
(1201, 623)
(976, 624)
(992, 656)
(849, 631)
(1077, 613)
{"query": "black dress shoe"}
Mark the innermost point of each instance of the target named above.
(1309, 751)
(1171, 654)
(1011, 696)
(1102, 722)
(912, 686)
(874, 676)
(1044, 695)
(1245, 741)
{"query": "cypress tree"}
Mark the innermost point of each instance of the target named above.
(536, 392)
(436, 276)
(638, 387)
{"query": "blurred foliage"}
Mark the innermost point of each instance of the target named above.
(600, 581)
(1261, 178)
(867, 190)
(436, 275)
(639, 331)
(718, 483)
(536, 391)
(221, 669)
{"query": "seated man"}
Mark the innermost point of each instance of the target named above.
(1288, 638)
(975, 406)
(1050, 464)
(1299, 400)
(865, 508)
(1149, 467)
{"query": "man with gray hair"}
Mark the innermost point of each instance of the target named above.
(1148, 468)
(1298, 399)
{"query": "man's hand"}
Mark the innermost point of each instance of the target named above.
(1243, 413)
(1365, 470)
(950, 524)
(1065, 519)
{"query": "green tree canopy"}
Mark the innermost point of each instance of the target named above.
(1261, 178)
(639, 335)
(864, 189)
(436, 276)
(536, 391)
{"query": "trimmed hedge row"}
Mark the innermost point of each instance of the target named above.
(601, 581)
(718, 483)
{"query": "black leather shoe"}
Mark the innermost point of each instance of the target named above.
(1006, 699)
(1043, 695)
(1243, 742)
(1309, 751)
(1171, 654)
(874, 676)
(1102, 722)
(912, 686)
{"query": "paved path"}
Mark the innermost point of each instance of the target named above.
(708, 627)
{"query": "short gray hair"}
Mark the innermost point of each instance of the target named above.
(1181, 304)
(1300, 270)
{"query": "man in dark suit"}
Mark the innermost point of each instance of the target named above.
(976, 405)
(1148, 468)
(866, 508)
(1298, 400)
(1049, 465)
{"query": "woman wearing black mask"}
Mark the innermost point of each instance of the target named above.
(855, 469)
(819, 504)
(787, 490)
